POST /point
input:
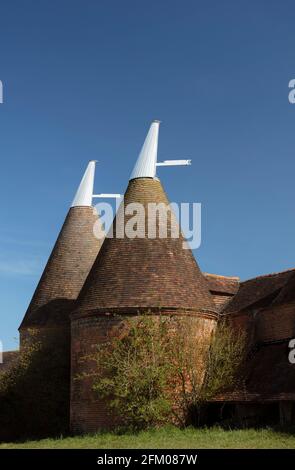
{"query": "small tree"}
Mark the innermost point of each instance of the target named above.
(133, 371)
(206, 367)
(157, 370)
(34, 392)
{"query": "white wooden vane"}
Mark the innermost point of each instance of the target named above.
(84, 194)
(146, 164)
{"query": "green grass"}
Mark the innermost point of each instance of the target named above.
(169, 438)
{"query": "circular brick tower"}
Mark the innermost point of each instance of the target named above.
(47, 319)
(133, 275)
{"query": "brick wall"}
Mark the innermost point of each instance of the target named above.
(88, 413)
(43, 401)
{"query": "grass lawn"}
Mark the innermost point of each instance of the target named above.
(169, 438)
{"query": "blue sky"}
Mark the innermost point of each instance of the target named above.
(83, 79)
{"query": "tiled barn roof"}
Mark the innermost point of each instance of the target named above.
(222, 284)
(267, 375)
(255, 290)
(287, 293)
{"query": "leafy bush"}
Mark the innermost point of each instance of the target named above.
(205, 368)
(34, 392)
(132, 373)
(157, 369)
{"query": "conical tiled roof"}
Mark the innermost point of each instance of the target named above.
(66, 270)
(135, 274)
(70, 261)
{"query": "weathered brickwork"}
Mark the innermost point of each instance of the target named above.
(244, 321)
(267, 324)
(47, 319)
(49, 336)
(88, 412)
(264, 308)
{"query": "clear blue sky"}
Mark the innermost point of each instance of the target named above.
(83, 79)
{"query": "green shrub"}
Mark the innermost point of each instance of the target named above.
(156, 370)
(132, 373)
(34, 392)
(206, 368)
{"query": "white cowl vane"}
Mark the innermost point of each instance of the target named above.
(84, 193)
(145, 166)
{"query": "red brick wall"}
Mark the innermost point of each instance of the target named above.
(53, 377)
(273, 323)
(88, 413)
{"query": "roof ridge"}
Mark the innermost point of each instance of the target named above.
(268, 275)
(236, 278)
